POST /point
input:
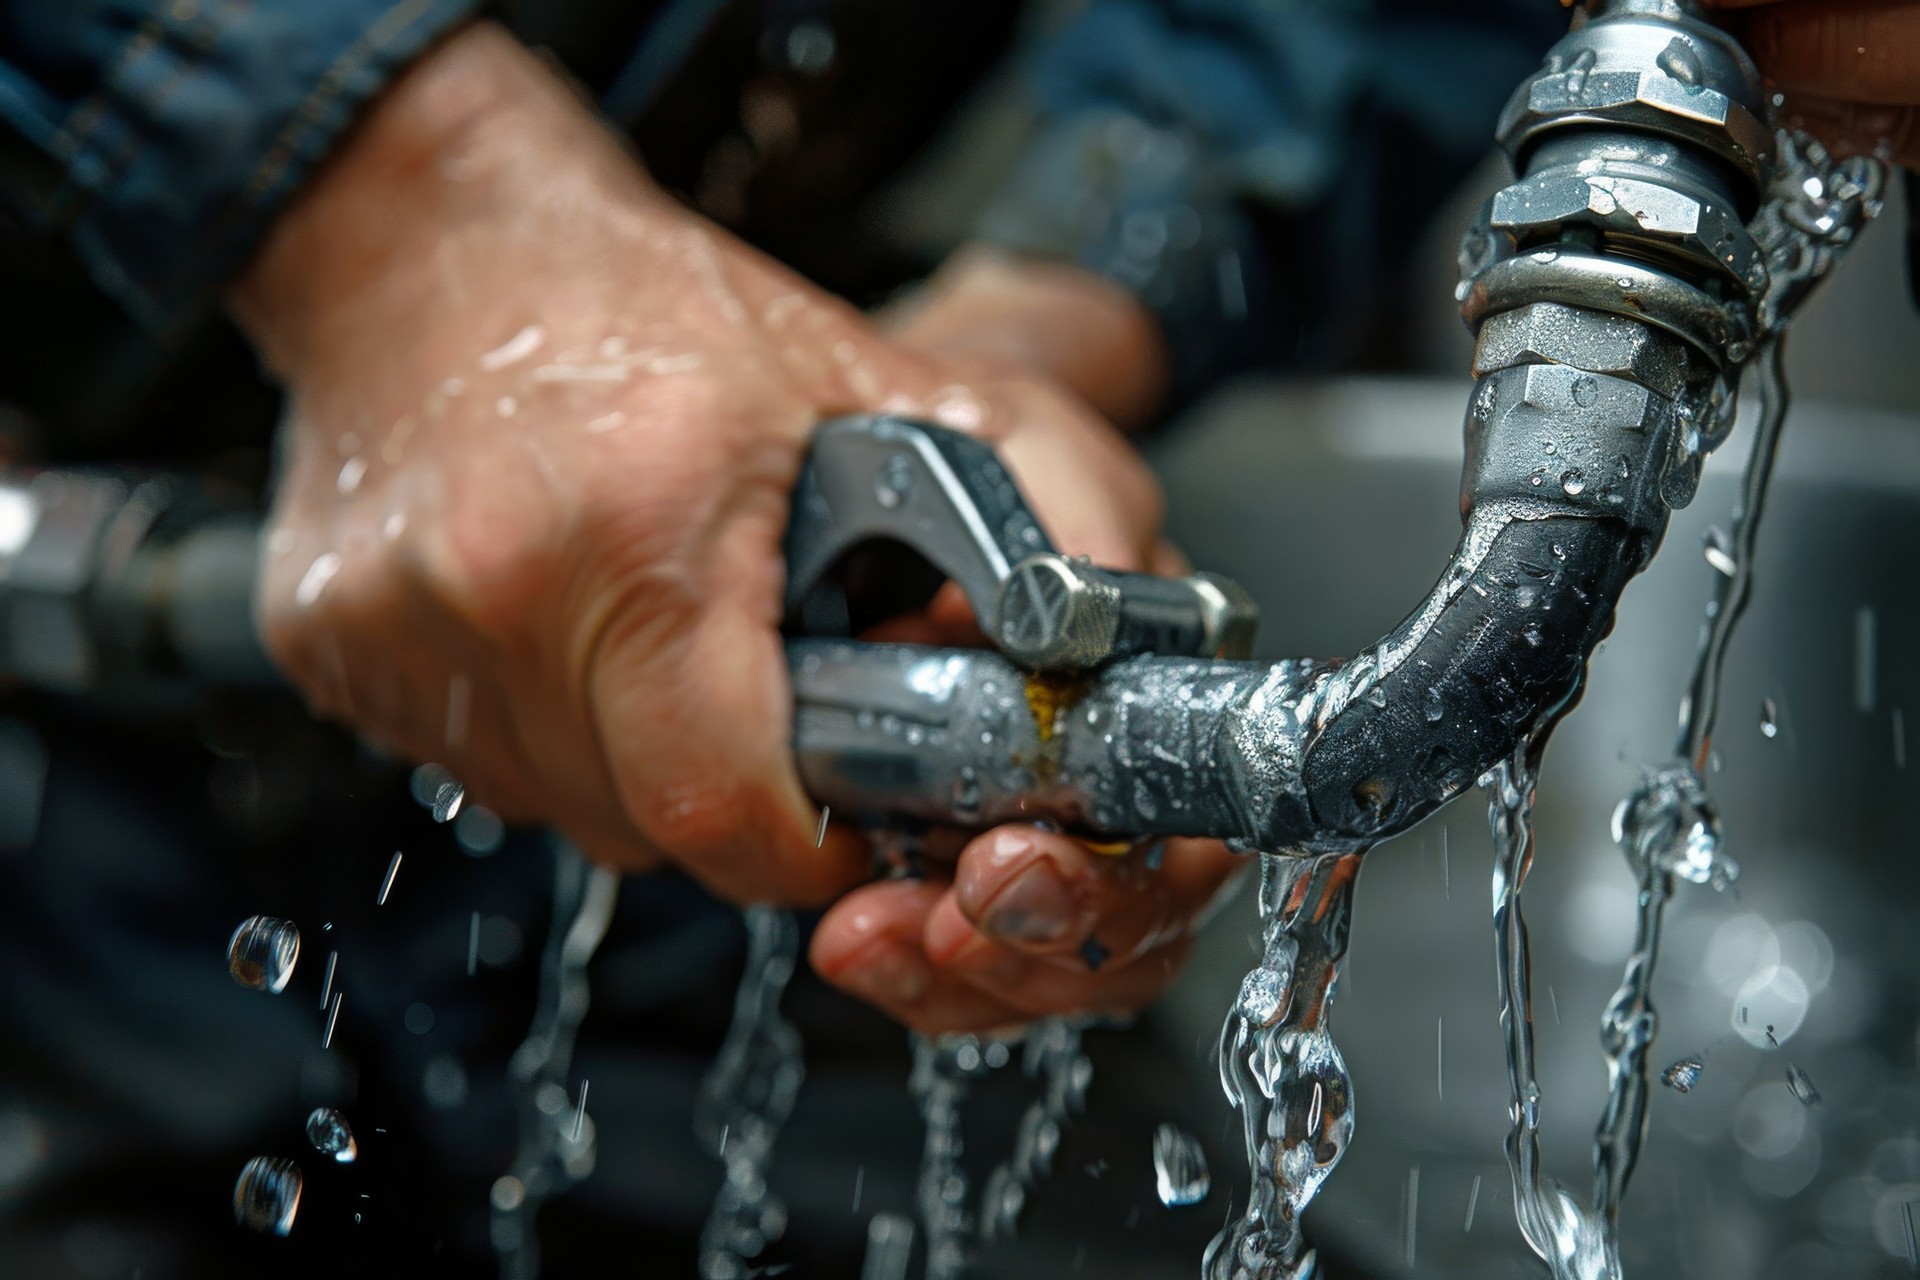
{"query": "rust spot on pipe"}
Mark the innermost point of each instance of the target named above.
(1050, 696)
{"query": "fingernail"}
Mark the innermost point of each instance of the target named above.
(1035, 906)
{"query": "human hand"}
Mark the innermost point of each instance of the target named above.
(1850, 68)
(543, 428)
(1027, 922)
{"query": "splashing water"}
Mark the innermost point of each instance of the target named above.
(1669, 826)
(266, 1197)
(1179, 1167)
(262, 952)
(747, 1097)
(1281, 1070)
(328, 1132)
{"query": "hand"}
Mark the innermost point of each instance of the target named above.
(1011, 932)
(543, 425)
(1850, 68)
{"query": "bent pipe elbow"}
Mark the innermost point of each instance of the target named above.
(1564, 498)
(1289, 755)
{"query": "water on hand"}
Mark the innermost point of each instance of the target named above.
(262, 952)
(1280, 1067)
(1179, 1167)
(328, 1132)
(267, 1195)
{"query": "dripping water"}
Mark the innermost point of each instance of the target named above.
(944, 1070)
(556, 1148)
(1556, 1226)
(746, 1099)
(1054, 1058)
(1280, 1068)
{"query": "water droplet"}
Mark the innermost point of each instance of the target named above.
(1484, 401)
(1532, 634)
(1682, 1075)
(966, 793)
(1680, 61)
(447, 798)
(262, 952)
(1436, 709)
(1179, 1167)
(1769, 719)
(1573, 482)
(894, 482)
(328, 1132)
(1802, 1085)
(352, 472)
(267, 1195)
(1717, 545)
(315, 579)
(1578, 70)
(1585, 391)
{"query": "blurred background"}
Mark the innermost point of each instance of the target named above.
(136, 1078)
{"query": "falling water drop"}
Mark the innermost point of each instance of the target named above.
(1717, 546)
(1769, 719)
(447, 800)
(1683, 1075)
(1179, 1167)
(267, 1195)
(1802, 1085)
(262, 952)
(1680, 61)
(328, 1132)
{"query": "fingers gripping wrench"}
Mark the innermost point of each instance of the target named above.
(885, 510)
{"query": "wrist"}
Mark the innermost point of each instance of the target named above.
(1051, 320)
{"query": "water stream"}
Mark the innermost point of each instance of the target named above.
(746, 1099)
(556, 1142)
(1280, 1067)
(1669, 827)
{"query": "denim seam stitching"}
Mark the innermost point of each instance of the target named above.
(197, 49)
(306, 117)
